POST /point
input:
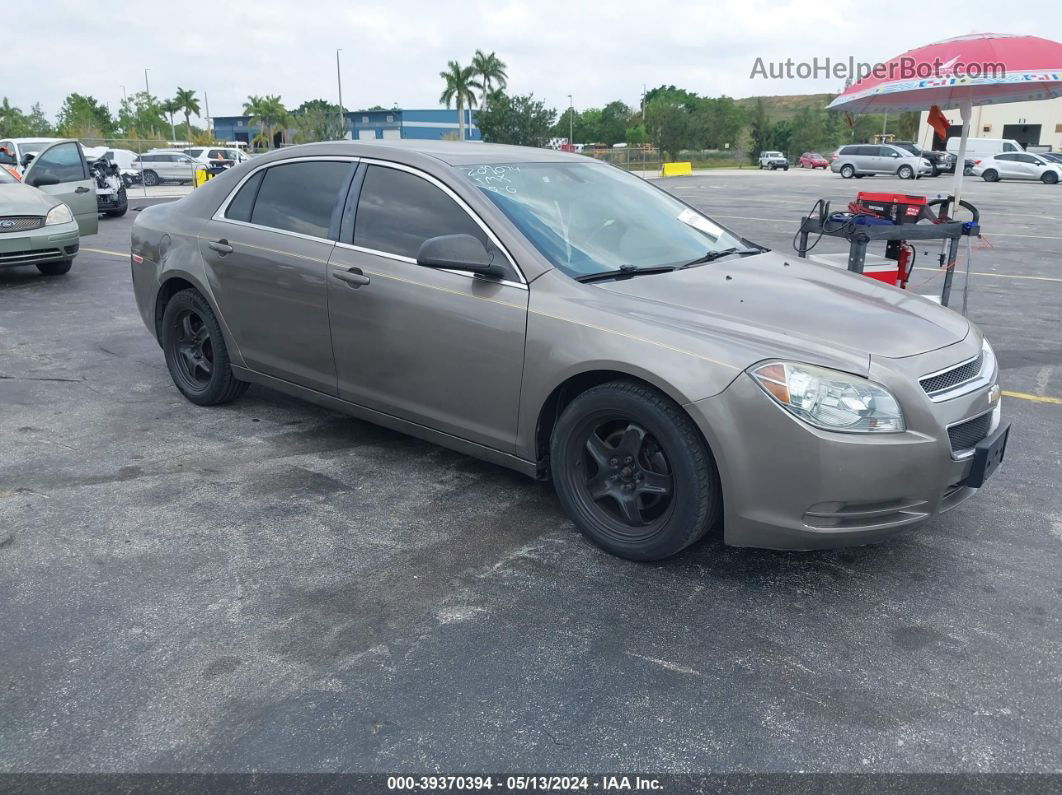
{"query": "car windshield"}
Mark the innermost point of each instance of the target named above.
(816, 156)
(33, 147)
(914, 150)
(592, 218)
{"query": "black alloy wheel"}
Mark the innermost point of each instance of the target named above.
(195, 351)
(633, 471)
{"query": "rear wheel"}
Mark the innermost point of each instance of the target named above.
(55, 268)
(633, 471)
(195, 351)
(990, 175)
(1049, 178)
(847, 171)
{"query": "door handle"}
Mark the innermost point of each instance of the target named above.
(353, 277)
(81, 189)
(221, 246)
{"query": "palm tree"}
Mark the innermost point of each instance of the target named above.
(268, 112)
(187, 104)
(169, 107)
(491, 72)
(460, 89)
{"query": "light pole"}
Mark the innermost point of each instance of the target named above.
(571, 122)
(339, 83)
(147, 86)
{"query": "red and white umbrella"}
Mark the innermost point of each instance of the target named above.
(979, 69)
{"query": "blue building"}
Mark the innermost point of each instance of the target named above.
(366, 125)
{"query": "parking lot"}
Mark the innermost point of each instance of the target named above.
(270, 586)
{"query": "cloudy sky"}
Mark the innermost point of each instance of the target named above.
(393, 51)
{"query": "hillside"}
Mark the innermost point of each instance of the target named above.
(785, 107)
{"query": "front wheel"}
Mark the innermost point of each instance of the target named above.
(1049, 178)
(633, 472)
(55, 268)
(195, 351)
(905, 172)
(151, 179)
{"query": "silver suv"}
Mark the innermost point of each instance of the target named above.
(166, 165)
(857, 160)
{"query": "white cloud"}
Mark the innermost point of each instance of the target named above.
(393, 51)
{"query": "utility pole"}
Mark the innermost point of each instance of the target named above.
(571, 121)
(339, 83)
(206, 100)
(147, 86)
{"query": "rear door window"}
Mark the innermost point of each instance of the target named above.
(242, 204)
(397, 211)
(301, 197)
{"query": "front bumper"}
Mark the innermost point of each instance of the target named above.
(47, 244)
(787, 485)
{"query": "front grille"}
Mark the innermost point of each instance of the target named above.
(20, 223)
(942, 382)
(15, 257)
(966, 434)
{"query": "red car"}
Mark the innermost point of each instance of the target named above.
(813, 160)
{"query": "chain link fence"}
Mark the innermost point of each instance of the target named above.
(650, 160)
(167, 169)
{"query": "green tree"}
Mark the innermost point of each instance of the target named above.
(759, 130)
(268, 112)
(615, 118)
(187, 104)
(716, 122)
(519, 120)
(907, 125)
(460, 89)
(318, 120)
(668, 124)
(637, 135)
(140, 116)
(782, 136)
(491, 73)
(169, 107)
(83, 116)
(16, 124)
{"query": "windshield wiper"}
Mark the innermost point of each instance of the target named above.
(625, 271)
(711, 256)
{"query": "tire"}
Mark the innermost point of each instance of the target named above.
(656, 482)
(195, 351)
(990, 175)
(967, 171)
(151, 179)
(935, 172)
(905, 172)
(117, 213)
(860, 176)
(761, 166)
(1049, 178)
(785, 168)
(847, 171)
(55, 268)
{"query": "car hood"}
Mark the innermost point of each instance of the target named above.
(786, 301)
(22, 199)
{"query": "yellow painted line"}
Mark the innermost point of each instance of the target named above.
(1034, 398)
(105, 251)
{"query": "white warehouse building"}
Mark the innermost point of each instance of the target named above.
(1035, 125)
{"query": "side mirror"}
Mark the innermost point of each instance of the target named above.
(457, 252)
(40, 180)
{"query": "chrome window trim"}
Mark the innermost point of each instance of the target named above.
(979, 381)
(411, 261)
(219, 214)
(460, 203)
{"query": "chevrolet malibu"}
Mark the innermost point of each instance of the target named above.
(568, 320)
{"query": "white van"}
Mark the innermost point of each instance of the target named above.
(984, 147)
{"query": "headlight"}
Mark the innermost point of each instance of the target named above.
(988, 365)
(829, 399)
(60, 214)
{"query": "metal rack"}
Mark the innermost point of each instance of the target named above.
(859, 236)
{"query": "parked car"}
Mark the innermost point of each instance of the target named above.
(165, 165)
(125, 159)
(813, 160)
(43, 217)
(859, 160)
(561, 317)
(773, 160)
(1017, 165)
(942, 162)
(1051, 157)
(21, 148)
(217, 159)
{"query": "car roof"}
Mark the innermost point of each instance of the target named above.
(454, 153)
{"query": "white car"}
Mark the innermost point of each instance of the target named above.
(1017, 165)
(166, 165)
(125, 159)
(773, 160)
(216, 156)
(20, 147)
